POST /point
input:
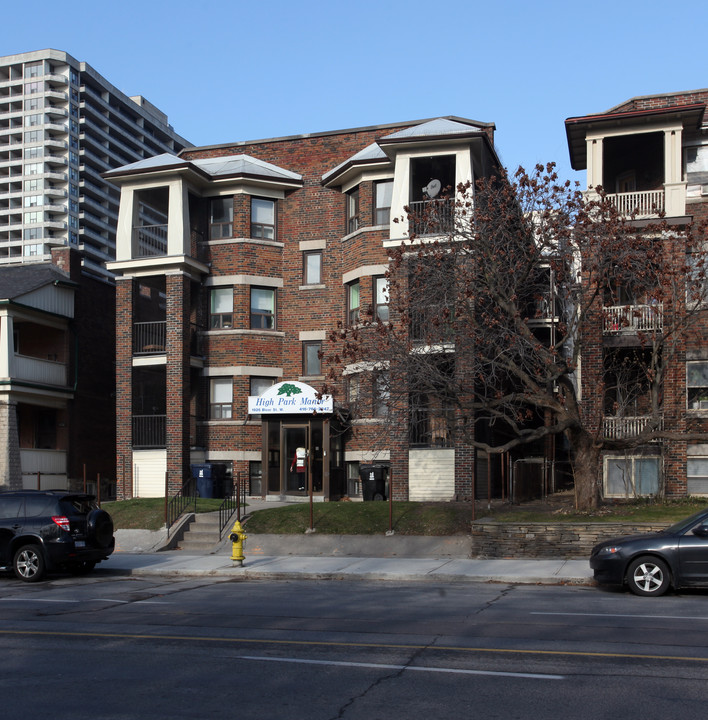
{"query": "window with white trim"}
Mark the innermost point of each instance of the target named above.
(631, 476)
(221, 308)
(221, 393)
(262, 308)
(697, 475)
(697, 385)
(263, 218)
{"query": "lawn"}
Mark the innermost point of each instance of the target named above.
(408, 518)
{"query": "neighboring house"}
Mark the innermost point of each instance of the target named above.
(233, 265)
(56, 355)
(651, 155)
(62, 126)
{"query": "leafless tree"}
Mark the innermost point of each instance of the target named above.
(492, 307)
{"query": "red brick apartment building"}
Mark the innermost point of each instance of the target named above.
(651, 154)
(234, 263)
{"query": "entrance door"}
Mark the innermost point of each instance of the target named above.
(297, 456)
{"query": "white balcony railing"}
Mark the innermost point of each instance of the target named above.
(647, 203)
(46, 372)
(619, 428)
(628, 319)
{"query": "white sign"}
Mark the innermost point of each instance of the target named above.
(290, 398)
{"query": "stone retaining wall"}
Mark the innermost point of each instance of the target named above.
(545, 540)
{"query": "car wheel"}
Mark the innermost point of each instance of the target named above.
(648, 576)
(100, 527)
(28, 563)
(82, 568)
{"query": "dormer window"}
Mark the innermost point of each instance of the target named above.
(432, 194)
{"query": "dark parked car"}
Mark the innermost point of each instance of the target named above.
(41, 531)
(650, 564)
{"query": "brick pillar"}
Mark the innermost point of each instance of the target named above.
(178, 386)
(124, 387)
(10, 468)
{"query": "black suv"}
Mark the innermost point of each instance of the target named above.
(52, 530)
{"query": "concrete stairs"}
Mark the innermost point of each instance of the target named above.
(202, 536)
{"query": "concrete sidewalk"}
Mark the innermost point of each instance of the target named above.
(176, 563)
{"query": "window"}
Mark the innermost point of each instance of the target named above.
(34, 152)
(220, 398)
(311, 358)
(431, 421)
(381, 298)
(368, 394)
(259, 385)
(33, 201)
(34, 103)
(697, 475)
(262, 308)
(31, 120)
(383, 193)
(697, 385)
(312, 268)
(221, 308)
(33, 87)
(34, 233)
(381, 394)
(353, 303)
(631, 476)
(255, 478)
(221, 218)
(33, 70)
(263, 218)
(34, 168)
(352, 210)
(32, 185)
(33, 217)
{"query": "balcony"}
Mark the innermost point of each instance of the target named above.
(149, 338)
(45, 372)
(149, 431)
(620, 428)
(632, 319)
(644, 204)
(149, 241)
(432, 217)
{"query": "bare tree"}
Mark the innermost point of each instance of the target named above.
(496, 296)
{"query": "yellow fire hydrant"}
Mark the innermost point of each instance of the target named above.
(237, 537)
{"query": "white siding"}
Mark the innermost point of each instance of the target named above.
(431, 474)
(149, 467)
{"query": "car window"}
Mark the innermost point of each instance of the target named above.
(689, 522)
(37, 505)
(10, 506)
(77, 505)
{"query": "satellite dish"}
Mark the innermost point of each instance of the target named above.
(432, 188)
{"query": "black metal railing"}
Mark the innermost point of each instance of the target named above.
(149, 431)
(149, 337)
(432, 217)
(149, 240)
(185, 499)
(233, 502)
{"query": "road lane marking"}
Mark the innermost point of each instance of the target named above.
(381, 666)
(618, 615)
(26, 599)
(322, 643)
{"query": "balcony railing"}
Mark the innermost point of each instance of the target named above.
(149, 431)
(46, 372)
(149, 337)
(647, 203)
(432, 217)
(619, 428)
(628, 319)
(149, 240)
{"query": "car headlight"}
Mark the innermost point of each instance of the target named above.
(610, 550)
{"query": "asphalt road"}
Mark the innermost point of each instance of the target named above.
(108, 647)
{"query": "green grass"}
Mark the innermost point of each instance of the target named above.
(409, 518)
(147, 513)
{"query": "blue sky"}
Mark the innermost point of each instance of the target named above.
(226, 71)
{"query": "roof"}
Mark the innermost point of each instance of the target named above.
(19, 280)
(440, 127)
(576, 128)
(213, 168)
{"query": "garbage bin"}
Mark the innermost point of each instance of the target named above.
(205, 480)
(373, 481)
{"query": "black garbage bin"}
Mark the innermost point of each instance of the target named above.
(373, 481)
(205, 480)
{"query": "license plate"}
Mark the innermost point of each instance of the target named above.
(79, 543)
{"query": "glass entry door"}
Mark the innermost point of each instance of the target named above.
(297, 458)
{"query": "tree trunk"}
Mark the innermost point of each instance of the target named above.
(586, 467)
